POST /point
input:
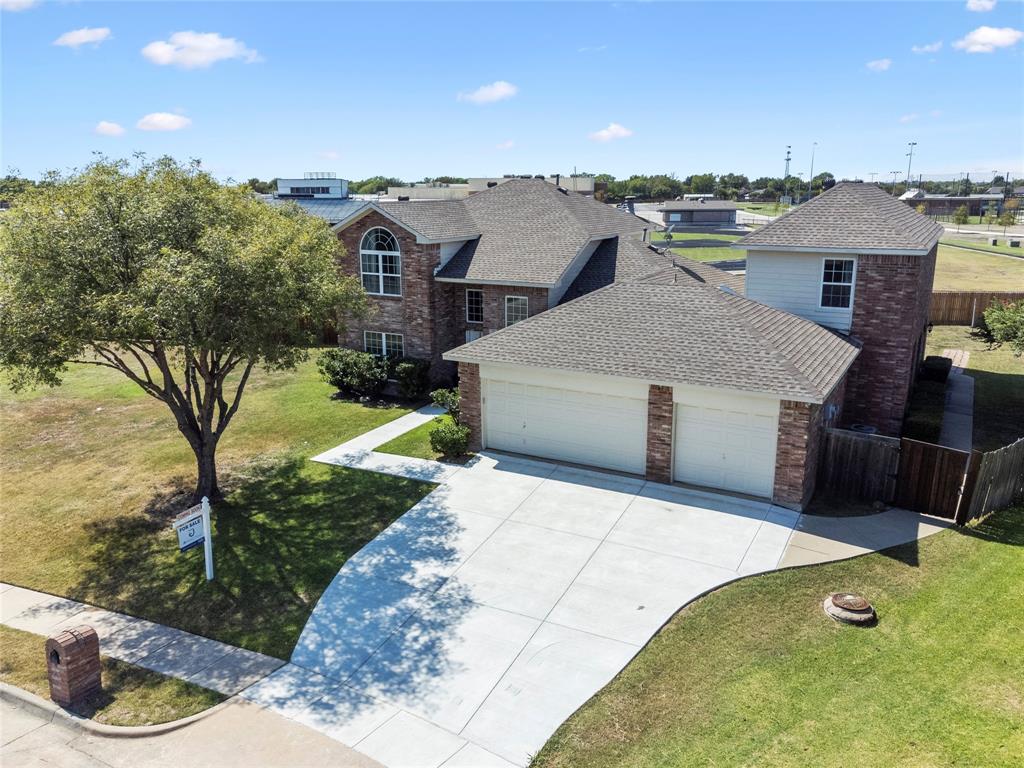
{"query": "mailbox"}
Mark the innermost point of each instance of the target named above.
(73, 664)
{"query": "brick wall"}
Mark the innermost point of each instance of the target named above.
(413, 313)
(890, 316)
(801, 441)
(73, 664)
(659, 434)
(470, 403)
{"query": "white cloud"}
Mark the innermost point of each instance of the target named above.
(929, 48)
(613, 131)
(980, 6)
(987, 39)
(196, 50)
(163, 121)
(17, 5)
(507, 144)
(909, 118)
(488, 94)
(83, 36)
(330, 154)
(879, 65)
(107, 128)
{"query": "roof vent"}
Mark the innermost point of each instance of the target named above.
(403, 198)
(491, 184)
(563, 190)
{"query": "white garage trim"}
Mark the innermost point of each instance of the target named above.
(576, 419)
(724, 440)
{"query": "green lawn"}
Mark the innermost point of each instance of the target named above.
(131, 695)
(695, 236)
(416, 442)
(755, 675)
(94, 471)
(957, 269)
(765, 209)
(983, 246)
(998, 385)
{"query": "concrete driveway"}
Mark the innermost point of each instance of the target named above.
(470, 629)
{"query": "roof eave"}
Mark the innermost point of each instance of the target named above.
(493, 281)
(923, 251)
(420, 237)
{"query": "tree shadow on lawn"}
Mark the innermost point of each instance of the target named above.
(279, 540)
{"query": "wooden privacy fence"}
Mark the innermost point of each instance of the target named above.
(922, 477)
(965, 307)
(995, 480)
(859, 466)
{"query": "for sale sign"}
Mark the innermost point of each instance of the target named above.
(190, 527)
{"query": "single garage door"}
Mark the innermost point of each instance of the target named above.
(728, 442)
(581, 427)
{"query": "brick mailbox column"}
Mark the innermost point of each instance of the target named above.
(73, 664)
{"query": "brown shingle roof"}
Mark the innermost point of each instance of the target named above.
(851, 215)
(674, 327)
(617, 258)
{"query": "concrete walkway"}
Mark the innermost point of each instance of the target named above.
(172, 652)
(235, 735)
(958, 417)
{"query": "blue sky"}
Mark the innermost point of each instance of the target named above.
(273, 89)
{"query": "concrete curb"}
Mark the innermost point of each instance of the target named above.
(56, 714)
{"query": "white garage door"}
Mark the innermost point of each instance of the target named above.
(728, 442)
(566, 425)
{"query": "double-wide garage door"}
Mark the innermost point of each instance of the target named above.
(601, 430)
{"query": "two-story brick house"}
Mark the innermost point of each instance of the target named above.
(442, 273)
(678, 377)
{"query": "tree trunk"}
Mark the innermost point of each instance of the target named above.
(206, 485)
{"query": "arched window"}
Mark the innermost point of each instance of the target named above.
(380, 263)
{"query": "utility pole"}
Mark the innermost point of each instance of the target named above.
(872, 175)
(910, 158)
(810, 179)
(785, 176)
(894, 175)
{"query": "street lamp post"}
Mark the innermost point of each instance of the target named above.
(785, 176)
(910, 158)
(894, 175)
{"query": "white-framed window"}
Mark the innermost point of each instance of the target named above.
(384, 344)
(837, 283)
(474, 305)
(380, 263)
(675, 217)
(516, 308)
(473, 335)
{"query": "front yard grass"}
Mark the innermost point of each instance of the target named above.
(756, 674)
(983, 246)
(131, 695)
(94, 471)
(416, 442)
(998, 384)
(958, 269)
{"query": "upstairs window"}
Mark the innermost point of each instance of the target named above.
(837, 283)
(474, 305)
(380, 263)
(516, 308)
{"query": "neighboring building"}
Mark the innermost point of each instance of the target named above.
(319, 193)
(584, 185)
(699, 213)
(440, 273)
(947, 205)
(676, 376)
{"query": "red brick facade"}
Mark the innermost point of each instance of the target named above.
(659, 434)
(890, 317)
(73, 664)
(430, 315)
(801, 440)
(470, 403)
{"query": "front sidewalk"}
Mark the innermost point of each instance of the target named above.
(172, 652)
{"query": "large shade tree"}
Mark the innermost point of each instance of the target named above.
(175, 281)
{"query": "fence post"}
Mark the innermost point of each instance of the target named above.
(974, 309)
(963, 508)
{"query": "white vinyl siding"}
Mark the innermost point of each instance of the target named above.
(792, 281)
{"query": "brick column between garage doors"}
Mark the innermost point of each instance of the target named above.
(470, 403)
(659, 434)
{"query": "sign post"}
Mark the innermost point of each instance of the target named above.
(193, 528)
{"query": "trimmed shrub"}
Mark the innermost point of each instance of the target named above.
(353, 373)
(413, 377)
(447, 399)
(450, 439)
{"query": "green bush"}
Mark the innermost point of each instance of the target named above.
(1004, 323)
(450, 439)
(447, 399)
(353, 373)
(413, 377)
